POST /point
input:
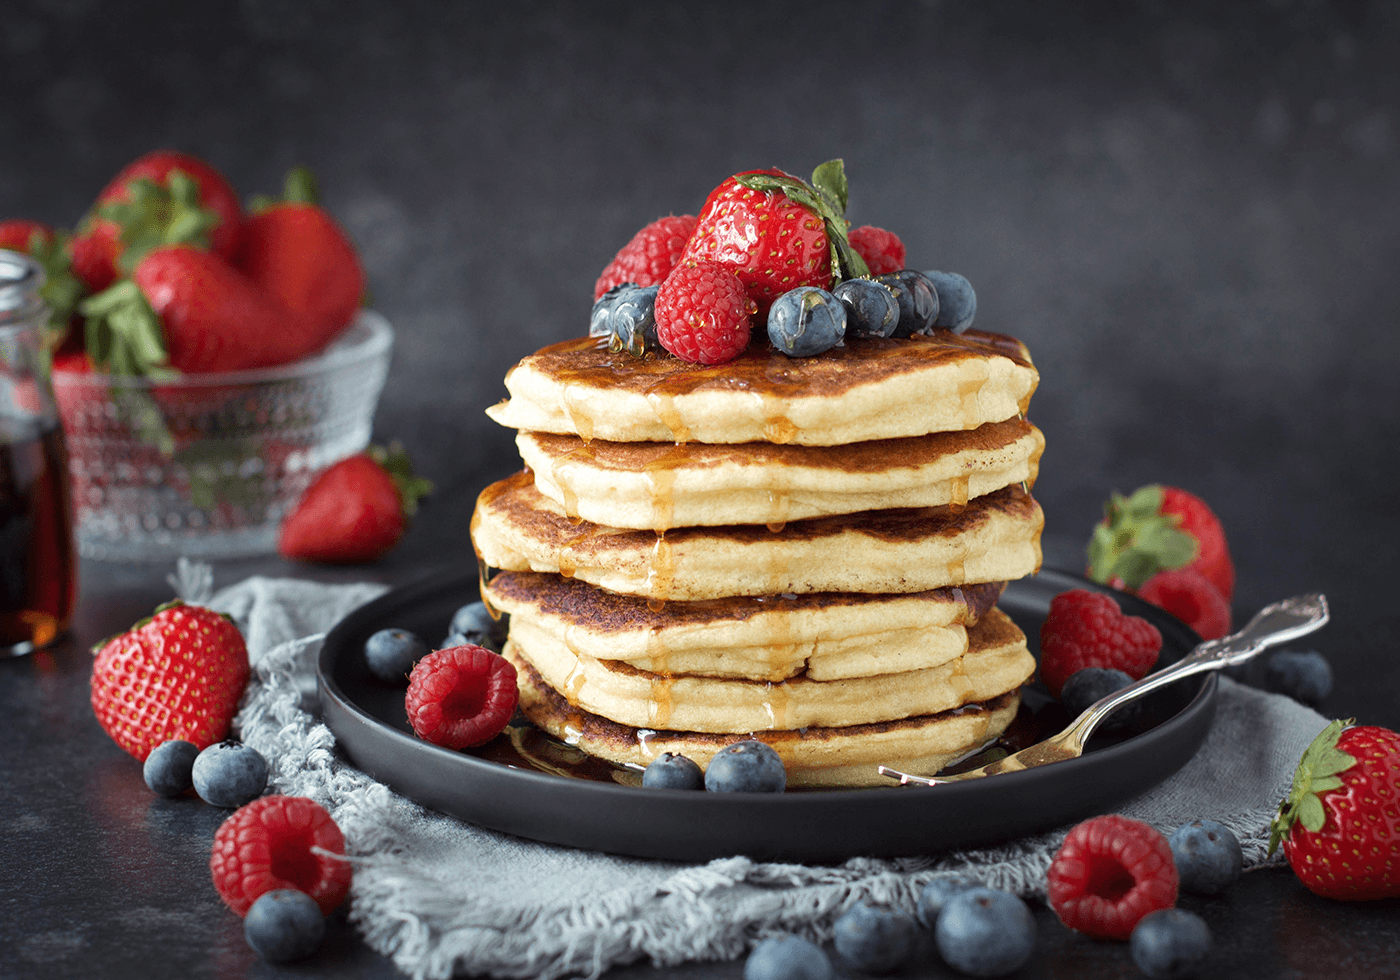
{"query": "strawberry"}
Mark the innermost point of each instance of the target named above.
(61, 289)
(177, 675)
(777, 232)
(355, 511)
(1156, 528)
(162, 198)
(650, 256)
(185, 309)
(297, 254)
(1190, 597)
(1340, 825)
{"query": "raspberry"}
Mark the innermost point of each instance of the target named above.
(703, 314)
(1190, 597)
(276, 842)
(461, 697)
(1108, 874)
(1087, 629)
(882, 250)
(650, 256)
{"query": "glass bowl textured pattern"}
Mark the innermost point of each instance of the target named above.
(208, 465)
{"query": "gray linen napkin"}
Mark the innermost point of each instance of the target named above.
(439, 896)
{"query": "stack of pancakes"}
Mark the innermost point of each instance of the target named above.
(806, 551)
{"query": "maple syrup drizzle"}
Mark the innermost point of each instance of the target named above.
(661, 704)
(661, 573)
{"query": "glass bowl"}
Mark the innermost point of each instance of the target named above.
(207, 466)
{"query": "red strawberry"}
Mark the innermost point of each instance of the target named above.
(186, 309)
(1340, 825)
(1156, 528)
(355, 511)
(703, 314)
(162, 198)
(177, 675)
(650, 256)
(882, 250)
(299, 256)
(461, 697)
(1191, 598)
(776, 232)
(279, 842)
(1108, 874)
(61, 289)
(1087, 629)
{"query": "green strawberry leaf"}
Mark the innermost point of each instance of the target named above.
(394, 459)
(159, 214)
(830, 181)
(1136, 540)
(1317, 773)
(300, 186)
(827, 200)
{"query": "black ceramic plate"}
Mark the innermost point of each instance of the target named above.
(498, 789)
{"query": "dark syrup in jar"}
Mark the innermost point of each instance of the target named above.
(38, 571)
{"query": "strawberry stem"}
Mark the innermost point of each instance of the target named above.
(1136, 540)
(300, 186)
(394, 460)
(159, 214)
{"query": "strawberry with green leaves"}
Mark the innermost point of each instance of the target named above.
(1340, 825)
(177, 675)
(777, 232)
(299, 256)
(162, 198)
(354, 511)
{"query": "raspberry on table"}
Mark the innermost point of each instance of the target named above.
(882, 250)
(650, 256)
(461, 697)
(1087, 629)
(279, 842)
(703, 314)
(1109, 873)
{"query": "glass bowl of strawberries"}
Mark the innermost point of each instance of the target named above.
(207, 465)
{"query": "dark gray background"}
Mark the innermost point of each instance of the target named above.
(1186, 210)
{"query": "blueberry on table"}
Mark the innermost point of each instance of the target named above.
(984, 932)
(749, 766)
(475, 625)
(787, 958)
(670, 770)
(169, 769)
(957, 301)
(936, 893)
(229, 774)
(1170, 943)
(284, 925)
(391, 654)
(871, 309)
(1303, 675)
(875, 940)
(1207, 855)
(917, 299)
(1084, 687)
(806, 321)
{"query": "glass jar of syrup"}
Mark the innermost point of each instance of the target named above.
(38, 570)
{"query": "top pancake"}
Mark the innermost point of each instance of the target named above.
(865, 390)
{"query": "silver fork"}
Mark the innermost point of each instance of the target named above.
(1280, 622)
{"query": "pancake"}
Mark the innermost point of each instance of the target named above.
(862, 391)
(816, 756)
(996, 661)
(658, 486)
(995, 538)
(825, 635)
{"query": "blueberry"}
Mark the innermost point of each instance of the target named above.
(918, 302)
(936, 894)
(284, 925)
(632, 321)
(957, 302)
(984, 932)
(672, 771)
(871, 309)
(598, 320)
(1303, 675)
(168, 770)
(1169, 943)
(787, 958)
(806, 321)
(474, 624)
(750, 766)
(1207, 856)
(875, 940)
(391, 654)
(229, 774)
(1086, 686)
